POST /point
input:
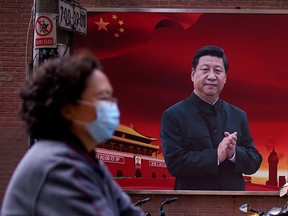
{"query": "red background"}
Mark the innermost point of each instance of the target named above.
(149, 66)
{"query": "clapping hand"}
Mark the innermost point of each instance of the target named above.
(226, 148)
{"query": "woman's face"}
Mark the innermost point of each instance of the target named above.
(98, 87)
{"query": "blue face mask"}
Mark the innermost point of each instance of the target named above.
(106, 122)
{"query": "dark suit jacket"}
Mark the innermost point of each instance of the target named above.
(190, 142)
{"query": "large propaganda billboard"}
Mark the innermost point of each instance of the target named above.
(148, 55)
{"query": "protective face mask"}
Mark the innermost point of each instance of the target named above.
(104, 126)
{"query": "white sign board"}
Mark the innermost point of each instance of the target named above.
(45, 31)
(72, 17)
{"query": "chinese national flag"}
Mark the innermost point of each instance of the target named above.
(112, 34)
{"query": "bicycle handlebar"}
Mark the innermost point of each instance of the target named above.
(168, 201)
(140, 202)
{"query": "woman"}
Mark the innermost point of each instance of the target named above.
(69, 108)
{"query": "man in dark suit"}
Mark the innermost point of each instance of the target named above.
(206, 141)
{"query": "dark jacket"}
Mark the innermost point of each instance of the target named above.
(190, 142)
(57, 179)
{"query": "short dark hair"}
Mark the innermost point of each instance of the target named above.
(54, 84)
(210, 51)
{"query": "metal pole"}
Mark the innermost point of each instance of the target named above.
(63, 37)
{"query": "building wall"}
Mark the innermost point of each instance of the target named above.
(207, 4)
(14, 20)
(16, 39)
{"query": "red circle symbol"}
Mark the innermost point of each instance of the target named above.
(44, 26)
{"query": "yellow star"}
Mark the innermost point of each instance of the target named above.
(121, 30)
(114, 17)
(102, 25)
(121, 22)
(116, 35)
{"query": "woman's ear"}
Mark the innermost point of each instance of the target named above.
(68, 112)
